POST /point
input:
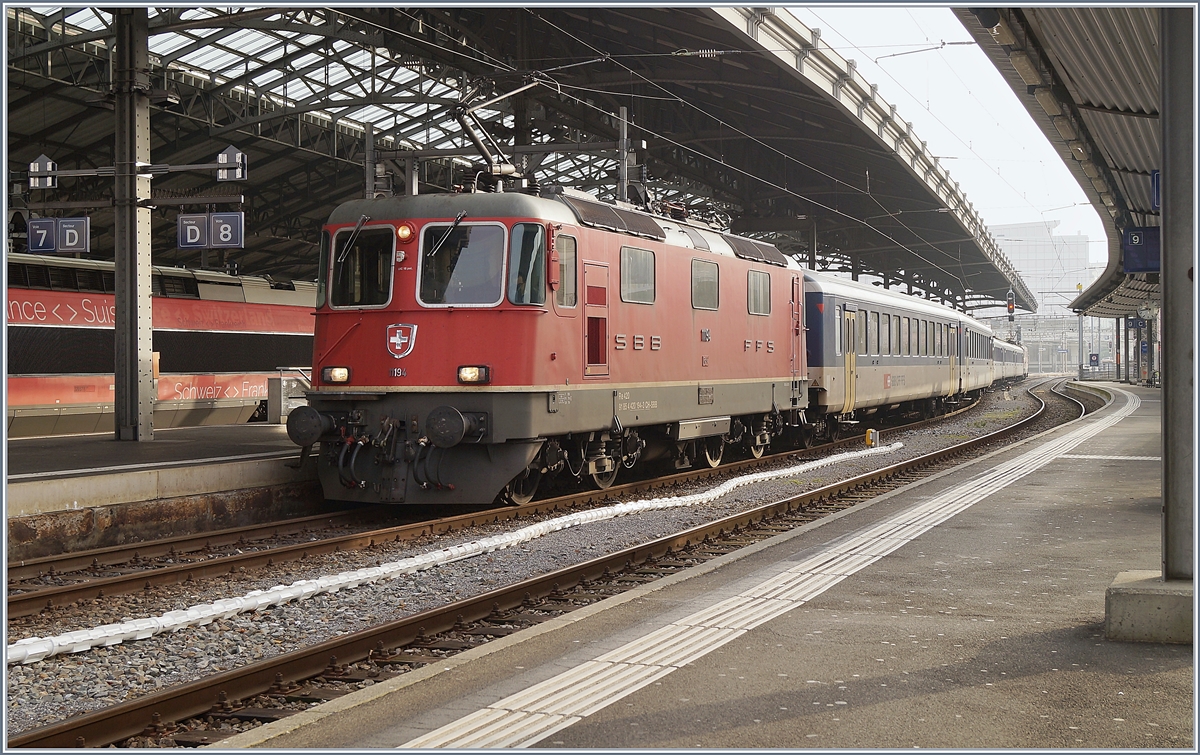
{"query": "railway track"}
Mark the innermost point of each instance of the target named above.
(36, 585)
(261, 691)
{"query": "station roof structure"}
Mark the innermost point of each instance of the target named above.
(1090, 79)
(748, 121)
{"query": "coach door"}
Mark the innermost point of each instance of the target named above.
(954, 343)
(850, 338)
(595, 310)
(797, 343)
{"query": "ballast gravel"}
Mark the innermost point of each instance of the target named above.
(62, 686)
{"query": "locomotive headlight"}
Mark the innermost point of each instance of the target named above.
(405, 232)
(474, 374)
(335, 375)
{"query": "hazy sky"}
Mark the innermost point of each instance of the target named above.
(959, 104)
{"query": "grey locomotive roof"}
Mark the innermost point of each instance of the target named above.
(449, 205)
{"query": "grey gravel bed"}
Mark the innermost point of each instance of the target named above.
(61, 686)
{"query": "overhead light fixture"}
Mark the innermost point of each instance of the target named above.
(1026, 68)
(1048, 101)
(1078, 150)
(1063, 125)
(1089, 169)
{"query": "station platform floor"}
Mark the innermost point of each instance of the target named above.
(61, 473)
(964, 611)
(69, 455)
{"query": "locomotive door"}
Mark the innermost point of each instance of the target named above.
(850, 338)
(595, 333)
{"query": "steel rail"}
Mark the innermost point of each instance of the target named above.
(35, 600)
(131, 718)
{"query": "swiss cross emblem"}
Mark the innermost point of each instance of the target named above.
(400, 339)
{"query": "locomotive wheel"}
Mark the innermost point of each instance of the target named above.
(714, 449)
(805, 437)
(523, 487)
(604, 480)
(756, 451)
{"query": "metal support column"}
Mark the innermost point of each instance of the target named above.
(1080, 347)
(369, 163)
(812, 246)
(623, 156)
(133, 384)
(1178, 288)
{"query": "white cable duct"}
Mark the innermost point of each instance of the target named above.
(34, 649)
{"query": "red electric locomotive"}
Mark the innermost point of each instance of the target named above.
(469, 345)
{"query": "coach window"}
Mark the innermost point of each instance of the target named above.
(637, 275)
(705, 288)
(885, 334)
(839, 327)
(862, 332)
(758, 292)
(462, 265)
(941, 340)
(568, 285)
(904, 339)
(923, 334)
(873, 332)
(527, 264)
(362, 267)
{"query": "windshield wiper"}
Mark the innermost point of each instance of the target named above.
(449, 231)
(362, 220)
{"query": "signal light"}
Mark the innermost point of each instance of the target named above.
(1012, 306)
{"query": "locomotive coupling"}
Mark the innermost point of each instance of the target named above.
(305, 425)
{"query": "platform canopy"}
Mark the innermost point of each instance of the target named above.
(1090, 79)
(743, 117)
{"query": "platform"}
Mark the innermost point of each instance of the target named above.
(60, 473)
(964, 611)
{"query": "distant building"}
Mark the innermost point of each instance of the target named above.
(1056, 269)
(1053, 267)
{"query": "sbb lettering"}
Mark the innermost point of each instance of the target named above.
(621, 341)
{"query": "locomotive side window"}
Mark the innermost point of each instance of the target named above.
(462, 265)
(568, 285)
(323, 269)
(705, 277)
(637, 275)
(758, 292)
(527, 264)
(362, 268)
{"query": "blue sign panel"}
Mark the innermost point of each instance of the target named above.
(193, 231)
(1145, 347)
(42, 235)
(1134, 322)
(226, 230)
(1141, 247)
(1155, 190)
(1094, 360)
(74, 235)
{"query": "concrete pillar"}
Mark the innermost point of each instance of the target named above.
(133, 384)
(1178, 287)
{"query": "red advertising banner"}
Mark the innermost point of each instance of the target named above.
(68, 309)
(99, 389)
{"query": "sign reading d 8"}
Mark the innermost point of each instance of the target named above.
(225, 230)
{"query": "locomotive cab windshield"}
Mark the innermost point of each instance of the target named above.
(462, 264)
(362, 268)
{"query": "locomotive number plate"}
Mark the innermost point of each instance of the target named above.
(706, 394)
